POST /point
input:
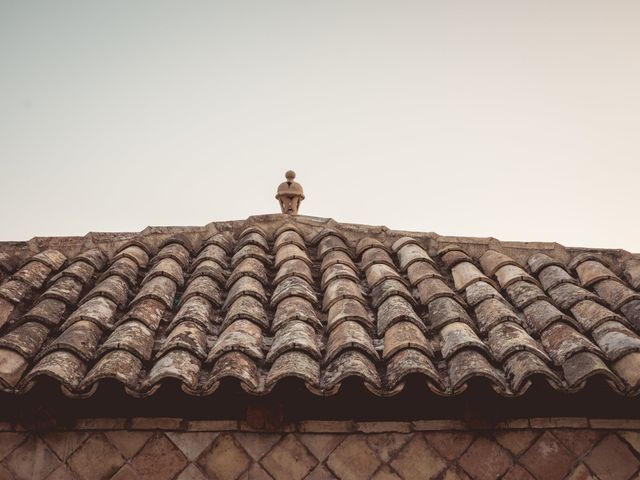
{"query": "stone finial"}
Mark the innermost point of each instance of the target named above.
(290, 194)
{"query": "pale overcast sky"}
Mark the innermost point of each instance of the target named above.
(518, 120)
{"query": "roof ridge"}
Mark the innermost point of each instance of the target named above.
(109, 240)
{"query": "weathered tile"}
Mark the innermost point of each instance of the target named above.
(321, 473)
(256, 472)
(192, 472)
(578, 441)
(133, 336)
(12, 367)
(225, 460)
(192, 444)
(516, 441)
(128, 442)
(548, 459)
(353, 459)
(126, 472)
(159, 459)
(385, 473)
(96, 458)
(517, 472)
(64, 443)
(256, 444)
(321, 444)
(467, 364)
(454, 473)
(581, 472)
(9, 441)
(485, 459)
(418, 460)
(289, 459)
(348, 335)
(612, 459)
(387, 445)
(492, 260)
(449, 444)
(382, 317)
(456, 336)
(32, 460)
(296, 335)
(632, 438)
(350, 363)
(63, 472)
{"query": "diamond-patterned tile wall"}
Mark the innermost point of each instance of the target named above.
(526, 453)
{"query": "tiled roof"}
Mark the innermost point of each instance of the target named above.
(280, 296)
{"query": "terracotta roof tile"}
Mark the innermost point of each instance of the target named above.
(337, 257)
(348, 309)
(507, 338)
(443, 311)
(295, 308)
(541, 314)
(295, 335)
(563, 341)
(458, 336)
(403, 335)
(339, 289)
(396, 309)
(553, 275)
(410, 253)
(466, 365)
(615, 340)
(349, 335)
(631, 311)
(120, 365)
(374, 256)
(632, 272)
(49, 312)
(242, 336)
(148, 311)
(335, 271)
(538, 261)
(351, 363)
(132, 336)
(466, 273)
(478, 292)
(8, 263)
(237, 365)
(412, 361)
(294, 363)
(100, 310)
(491, 261)
(81, 338)
(320, 302)
(246, 307)
(135, 253)
(585, 365)
(491, 312)
(27, 339)
(332, 243)
(523, 367)
(179, 364)
(418, 271)
(628, 369)
(293, 287)
(186, 335)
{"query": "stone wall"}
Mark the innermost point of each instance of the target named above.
(168, 448)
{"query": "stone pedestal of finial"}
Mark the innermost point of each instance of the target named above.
(290, 194)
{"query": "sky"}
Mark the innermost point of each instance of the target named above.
(518, 120)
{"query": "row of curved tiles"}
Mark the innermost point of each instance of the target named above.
(317, 309)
